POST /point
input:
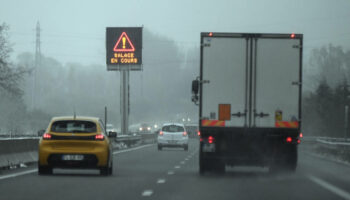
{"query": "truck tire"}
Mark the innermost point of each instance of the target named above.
(203, 166)
(219, 167)
(291, 159)
(285, 161)
(215, 166)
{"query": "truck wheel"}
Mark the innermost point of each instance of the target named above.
(291, 160)
(285, 161)
(202, 167)
(220, 167)
(159, 147)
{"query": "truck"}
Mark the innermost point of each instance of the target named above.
(249, 97)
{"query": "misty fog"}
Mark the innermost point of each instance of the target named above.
(160, 92)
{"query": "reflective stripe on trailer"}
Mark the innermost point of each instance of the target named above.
(286, 124)
(206, 122)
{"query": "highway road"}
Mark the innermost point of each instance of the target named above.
(146, 173)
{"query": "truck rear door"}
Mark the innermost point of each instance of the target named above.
(253, 80)
(276, 81)
(224, 78)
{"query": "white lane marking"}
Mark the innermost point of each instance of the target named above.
(133, 149)
(160, 181)
(330, 187)
(177, 167)
(18, 174)
(186, 159)
(171, 173)
(147, 193)
(182, 162)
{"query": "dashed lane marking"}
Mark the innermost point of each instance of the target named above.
(330, 187)
(182, 162)
(147, 193)
(177, 167)
(171, 173)
(160, 181)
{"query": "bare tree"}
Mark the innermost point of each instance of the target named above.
(9, 74)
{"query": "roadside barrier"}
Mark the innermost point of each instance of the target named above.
(16, 151)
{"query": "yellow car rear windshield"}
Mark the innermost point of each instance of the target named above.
(73, 126)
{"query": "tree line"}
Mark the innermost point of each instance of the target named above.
(161, 91)
(324, 106)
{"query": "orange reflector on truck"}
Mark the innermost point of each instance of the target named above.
(286, 124)
(224, 112)
(206, 122)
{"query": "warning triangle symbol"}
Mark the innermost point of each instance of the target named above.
(124, 44)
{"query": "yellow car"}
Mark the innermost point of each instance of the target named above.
(75, 142)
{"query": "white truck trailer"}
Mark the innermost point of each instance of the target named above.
(249, 97)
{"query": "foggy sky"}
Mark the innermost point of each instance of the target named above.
(73, 31)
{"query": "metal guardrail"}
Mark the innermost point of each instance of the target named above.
(338, 148)
(15, 151)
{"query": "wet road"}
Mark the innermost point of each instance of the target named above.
(146, 173)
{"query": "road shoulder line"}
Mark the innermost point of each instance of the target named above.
(18, 174)
(330, 187)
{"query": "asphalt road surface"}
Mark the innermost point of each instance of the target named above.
(146, 173)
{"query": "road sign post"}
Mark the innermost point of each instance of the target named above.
(124, 54)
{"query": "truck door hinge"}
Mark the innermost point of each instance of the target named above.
(297, 46)
(261, 114)
(239, 114)
(205, 45)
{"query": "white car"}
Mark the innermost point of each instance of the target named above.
(173, 135)
(111, 130)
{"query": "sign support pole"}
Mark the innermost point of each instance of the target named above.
(346, 118)
(124, 53)
(124, 101)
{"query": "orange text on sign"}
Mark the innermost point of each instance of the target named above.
(124, 60)
(123, 55)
